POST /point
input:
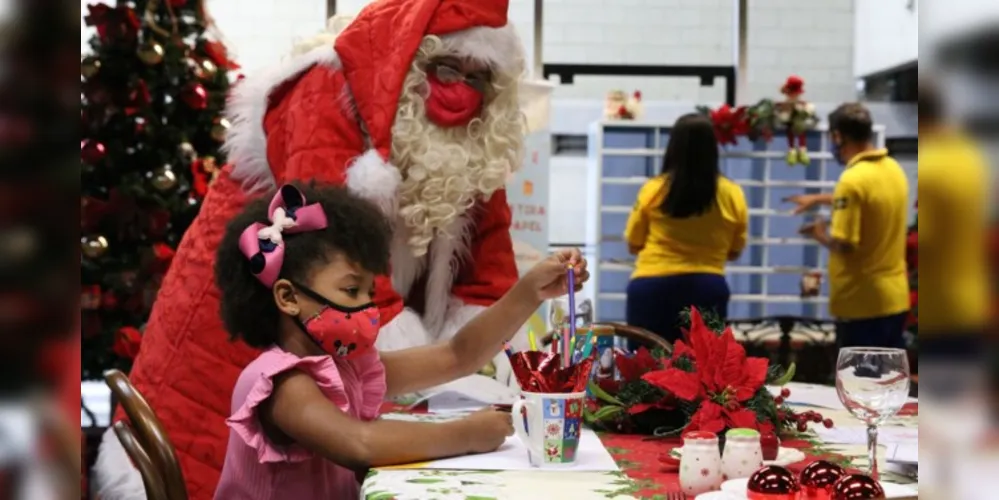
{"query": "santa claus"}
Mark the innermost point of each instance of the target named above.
(414, 106)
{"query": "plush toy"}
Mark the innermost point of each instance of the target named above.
(618, 106)
(797, 117)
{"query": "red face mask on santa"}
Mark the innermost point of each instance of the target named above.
(452, 104)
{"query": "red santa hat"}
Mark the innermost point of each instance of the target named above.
(793, 87)
(375, 52)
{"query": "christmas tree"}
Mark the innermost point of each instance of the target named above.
(153, 90)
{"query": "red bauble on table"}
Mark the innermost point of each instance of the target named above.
(773, 483)
(195, 96)
(818, 478)
(857, 487)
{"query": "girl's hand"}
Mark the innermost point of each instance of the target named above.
(549, 278)
(486, 429)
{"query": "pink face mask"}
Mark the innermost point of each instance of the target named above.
(343, 332)
(452, 104)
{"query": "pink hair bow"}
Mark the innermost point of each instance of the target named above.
(263, 244)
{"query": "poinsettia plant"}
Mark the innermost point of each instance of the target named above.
(705, 383)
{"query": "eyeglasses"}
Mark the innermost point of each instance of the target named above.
(447, 73)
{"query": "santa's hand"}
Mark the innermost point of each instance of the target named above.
(549, 278)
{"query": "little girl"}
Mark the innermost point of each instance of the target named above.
(296, 275)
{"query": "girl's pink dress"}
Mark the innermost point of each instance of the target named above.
(257, 469)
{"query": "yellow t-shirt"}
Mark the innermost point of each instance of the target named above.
(699, 244)
(870, 212)
(953, 266)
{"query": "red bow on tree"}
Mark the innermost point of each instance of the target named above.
(729, 123)
(113, 23)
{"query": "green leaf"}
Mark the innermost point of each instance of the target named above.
(379, 495)
(476, 497)
(607, 412)
(424, 481)
(788, 375)
(602, 394)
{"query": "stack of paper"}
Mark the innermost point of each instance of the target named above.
(901, 443)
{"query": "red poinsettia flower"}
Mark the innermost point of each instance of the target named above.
(632, 368)
(729, 123)
(723, 378)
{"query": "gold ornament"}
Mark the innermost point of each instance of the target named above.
(220, 129)
(90, 66)
(163, 178)
(94, 247)
(151, 53)
(208, 69)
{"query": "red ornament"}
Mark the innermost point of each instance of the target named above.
(770, 445)
(857, 487)
(117, 24)
(109, 301)
(126, 342)
(773, 483)
(818, 478)
(195, 96)
(90, 297)
(178, 3)
(138, 98)
(163, 255)
(92, 151)
(729, 123)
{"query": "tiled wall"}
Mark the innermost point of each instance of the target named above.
(813, 39)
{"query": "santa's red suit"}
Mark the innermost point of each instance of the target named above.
(326, 115)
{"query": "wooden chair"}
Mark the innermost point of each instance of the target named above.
(149, 435)
(638, 335)
(151, 478)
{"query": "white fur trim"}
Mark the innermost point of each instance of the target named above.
(459, 314)
(447, 251)
(375, 180)
(246, 142)
(404, 331)
(499, 47)
(115, 478)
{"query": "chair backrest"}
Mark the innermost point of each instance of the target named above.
(151, 478)
(149, 432)
(638, 335)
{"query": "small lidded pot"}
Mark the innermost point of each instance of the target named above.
(743, 455)
(700, 463)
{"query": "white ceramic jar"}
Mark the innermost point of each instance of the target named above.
(743, 455)
(700, 463)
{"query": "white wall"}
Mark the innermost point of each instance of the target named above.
(812, 38)
(886, 35)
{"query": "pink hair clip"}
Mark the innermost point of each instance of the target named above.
(263, 244)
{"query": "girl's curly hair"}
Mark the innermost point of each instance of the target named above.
(355, 228)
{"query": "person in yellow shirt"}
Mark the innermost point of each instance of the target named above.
(868, 283)
(954, 271)
(686, 223)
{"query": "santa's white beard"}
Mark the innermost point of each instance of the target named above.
(445, 170)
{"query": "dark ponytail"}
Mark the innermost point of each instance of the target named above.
(691, 161)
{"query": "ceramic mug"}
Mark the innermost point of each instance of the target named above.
(550, 428)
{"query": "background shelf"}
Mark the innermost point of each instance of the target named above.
(765, 280)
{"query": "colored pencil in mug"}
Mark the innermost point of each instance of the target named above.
(572, 313)
(532, 339)
(508, 348)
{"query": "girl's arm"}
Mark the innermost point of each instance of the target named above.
(299, 411)
(411, 370)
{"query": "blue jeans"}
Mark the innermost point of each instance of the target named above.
(883, 331)
(655, 303)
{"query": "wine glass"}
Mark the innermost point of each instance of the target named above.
(873, 384)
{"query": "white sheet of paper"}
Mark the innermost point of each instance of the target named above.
(467, 394)
(903, 453)
(512, 455)
(851, 434)
(823, 396)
